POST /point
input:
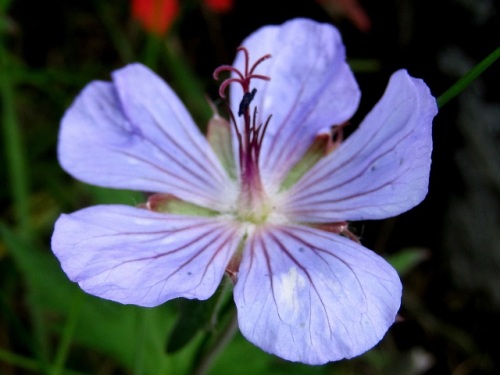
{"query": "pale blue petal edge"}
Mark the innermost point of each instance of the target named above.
(381, 170)
(311, 296)
(134, 133)
(135, 256)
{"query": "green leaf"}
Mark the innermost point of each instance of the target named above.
(252, 360)
(408, 258)
(193, 317)
(196, 316)
(466, 80)
(131, 335)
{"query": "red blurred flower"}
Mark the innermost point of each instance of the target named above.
(350, 9)
(219, 6)
(157, 16)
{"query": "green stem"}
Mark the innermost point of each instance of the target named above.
(67, 336)
(140, 338)
(14, 151)
(115, 32)
(224, 296)
(458, 87)
(27, 363)
(206, 362)
(19, 361)
(152, 52)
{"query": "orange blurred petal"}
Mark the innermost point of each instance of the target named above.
(156, 16)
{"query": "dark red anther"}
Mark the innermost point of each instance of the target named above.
(245, 102)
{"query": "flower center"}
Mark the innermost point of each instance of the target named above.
(250, 134)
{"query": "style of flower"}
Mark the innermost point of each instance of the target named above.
(265, 197)
(157, 16)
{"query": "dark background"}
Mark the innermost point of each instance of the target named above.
(450, 316)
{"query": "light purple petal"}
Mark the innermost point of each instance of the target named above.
(312, 296)
(135, 256)
(134, 133)
(381, 170)
(311, 88)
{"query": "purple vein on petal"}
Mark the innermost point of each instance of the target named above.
(203, 166)
(133, 255)
(281, 246)
(320, 177)
(381, 170)
(283, 158)
(178, 177)
(299, 234)
(324, 173)
(321, 297)
(215, 245)
(187, 132)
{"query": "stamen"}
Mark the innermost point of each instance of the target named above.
(238, 135)
(245, 102)
(249, 133)
(261, 136)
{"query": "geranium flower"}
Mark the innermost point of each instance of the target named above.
(265, 199)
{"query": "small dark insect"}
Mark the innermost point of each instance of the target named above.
(245, 102)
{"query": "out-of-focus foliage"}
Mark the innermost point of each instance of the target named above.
(446, 250)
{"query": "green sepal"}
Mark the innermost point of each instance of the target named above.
(320, 147)
(219, 137)
(168, 203)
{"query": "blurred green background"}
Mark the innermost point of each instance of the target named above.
(447, 250)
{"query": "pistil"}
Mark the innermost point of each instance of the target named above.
(252, 198)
